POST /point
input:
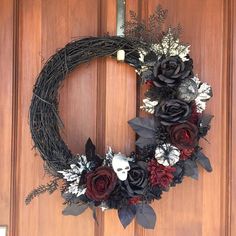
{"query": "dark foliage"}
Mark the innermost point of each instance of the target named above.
(50, 188)
(146, 153)
(178, 174)
(157, 94)
(150, 31)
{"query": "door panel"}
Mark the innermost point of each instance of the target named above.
(6, 107)
(55, 23)
(189, 209)
(97, 100)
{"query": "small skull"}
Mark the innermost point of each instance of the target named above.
(120, 165)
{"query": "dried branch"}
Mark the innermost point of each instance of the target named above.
(49, 187)
(149, 32)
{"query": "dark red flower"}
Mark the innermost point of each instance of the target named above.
(184, 136)
(100, 183)
(186, 153)
(160, 175)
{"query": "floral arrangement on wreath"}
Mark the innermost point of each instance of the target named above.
(168, 144)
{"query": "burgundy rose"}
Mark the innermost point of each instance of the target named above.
(184, 135)
(160, 175)
(100, 183)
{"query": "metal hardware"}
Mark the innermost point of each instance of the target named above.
(120, 17)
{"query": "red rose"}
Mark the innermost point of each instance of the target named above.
(100, 183)
(160, 175)
(184, 135)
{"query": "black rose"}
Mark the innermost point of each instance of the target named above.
(137, 180)
(118, 197)
(172, 111)
(171, 71)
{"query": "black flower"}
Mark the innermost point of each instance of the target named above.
(172, 111)
(137, 181)
(118, 197)
(171, 71)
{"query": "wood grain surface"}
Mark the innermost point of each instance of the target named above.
(6, 106)
(98, 99)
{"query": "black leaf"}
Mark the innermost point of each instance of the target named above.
(142, 142)
(95, 215)
(126, 215)
(145, 216)
(74, 209)
(91, 155)
(144, 127)
(190, 169)
(69, 197)
(92, 206)
(84, 198)
(204, 124)
(90, 150)
(179, 173)
(203, 161)
(206, 120)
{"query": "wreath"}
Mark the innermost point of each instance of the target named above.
(168, 139)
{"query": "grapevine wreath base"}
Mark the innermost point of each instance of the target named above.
(168, 144)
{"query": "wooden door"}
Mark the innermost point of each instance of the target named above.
(32, 30)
